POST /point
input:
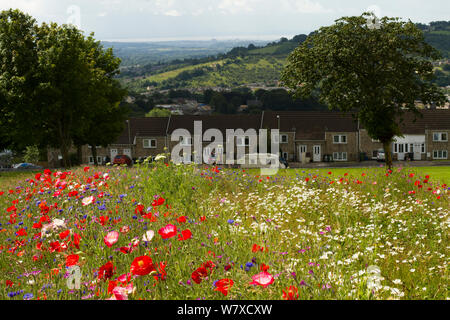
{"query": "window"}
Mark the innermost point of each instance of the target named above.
(284, 138)
(99, 160)
(440, 136)
(96, 147)
(340, 139)
(423, 147)
(440, 154)
(401, 148)
(395, 148)
(340, 156)
(285, 156)
(149, 143)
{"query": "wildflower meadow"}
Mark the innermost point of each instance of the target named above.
(160, 231)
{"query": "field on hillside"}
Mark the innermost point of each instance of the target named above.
(167, 232)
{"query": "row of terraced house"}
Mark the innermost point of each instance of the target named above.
(305, 136)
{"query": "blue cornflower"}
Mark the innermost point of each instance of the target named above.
(28, 296)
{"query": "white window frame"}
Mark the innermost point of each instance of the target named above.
(340, 139)
(99, 159)
(284, 136)
(423, 149)
(339, 156)
(436, 155)
(149, 143)
(440, 136)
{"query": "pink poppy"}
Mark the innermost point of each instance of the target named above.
(263, 279)
(111, 238)
(168, 231)
(88, 200)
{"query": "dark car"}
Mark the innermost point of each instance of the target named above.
(123, 159)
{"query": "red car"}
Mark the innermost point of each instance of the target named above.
(123, 159)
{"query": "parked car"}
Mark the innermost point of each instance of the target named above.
(381, 155)
(26, 166)
(123, 159)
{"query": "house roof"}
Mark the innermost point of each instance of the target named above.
(221, 122)
(437, 119)
(310, 125)
(307, 125)
(143, 127)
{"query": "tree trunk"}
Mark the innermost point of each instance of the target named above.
(388, 154)
(64, 146)
(79, 154)
(94, 154)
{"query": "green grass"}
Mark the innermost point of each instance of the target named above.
(437, 174)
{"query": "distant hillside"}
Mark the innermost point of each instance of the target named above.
(251, 65)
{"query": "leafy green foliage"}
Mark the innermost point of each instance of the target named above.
(158, 112)
(31, 154)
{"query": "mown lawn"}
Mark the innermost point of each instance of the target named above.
(179, 232)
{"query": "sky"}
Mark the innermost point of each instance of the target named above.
(139, 20)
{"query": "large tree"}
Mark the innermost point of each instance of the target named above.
(57, 86)
(18, 81)
(376, 72)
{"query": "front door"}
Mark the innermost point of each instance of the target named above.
(417, 151)
(317, 154)
(301, 152)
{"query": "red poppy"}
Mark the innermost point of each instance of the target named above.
(125, 250)
(9, 283)
(72, 260)
(142, 266)
(181, 219)
(264, 267)
(224, 285)
(86, 169)
(21, 233)
(168, 231)
(290, 293)
(106, 271)
(76, 240)
(158, 202)
(186, 234)
(64, 234)
(199, 274)
(202, 272)
(111, 286)
(139, 209)
(37, 225)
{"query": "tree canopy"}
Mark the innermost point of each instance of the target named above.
(57, 86)
(377, 74)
